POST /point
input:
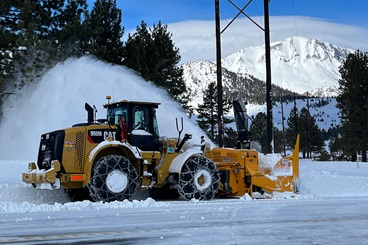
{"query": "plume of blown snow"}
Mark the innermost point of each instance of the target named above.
(57, 102)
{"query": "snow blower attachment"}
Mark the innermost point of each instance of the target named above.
(110, 159)
(245, 171)
(248, 171)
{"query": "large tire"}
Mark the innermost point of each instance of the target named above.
(114, 178)
(199, 179)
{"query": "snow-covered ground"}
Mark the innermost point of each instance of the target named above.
(326, 116)
(332, 208)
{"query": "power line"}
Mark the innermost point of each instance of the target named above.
(296, 29)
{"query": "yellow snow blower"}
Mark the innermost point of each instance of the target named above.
(243, 170)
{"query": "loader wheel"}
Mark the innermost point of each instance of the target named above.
(199, 179)
(114, 178)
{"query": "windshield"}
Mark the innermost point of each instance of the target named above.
(114, 114)
(141, 119)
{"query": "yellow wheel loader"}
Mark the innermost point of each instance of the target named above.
(110, 159)
(101, 162)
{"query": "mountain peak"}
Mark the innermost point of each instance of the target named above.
(302, 49)
(297, 63)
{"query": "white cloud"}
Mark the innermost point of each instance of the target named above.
(196, 39)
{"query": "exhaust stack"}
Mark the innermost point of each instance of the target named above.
(90, 113)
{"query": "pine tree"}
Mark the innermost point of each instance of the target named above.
(258, 130)
(72, 33)
(278, 142)
(104, 32)
(31, 39)
(32, 24)
(230, 137)
(353, 104)
(152, 53)
(324, 155)
(208, 114)
(336, 149)
(137, 50)
(292, 127)
(304, 132)
(310, 130)
(311, 139)
(9, 11)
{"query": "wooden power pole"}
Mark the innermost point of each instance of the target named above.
(219, 75)
(268, 77)
(266, 29)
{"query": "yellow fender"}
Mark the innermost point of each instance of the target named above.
(178, 162)
(132, 152)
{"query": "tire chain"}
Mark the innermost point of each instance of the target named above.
(98, 188)
(187, 188)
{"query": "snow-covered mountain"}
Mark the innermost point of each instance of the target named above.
(199, 74)
(325, 91)
(298, 64)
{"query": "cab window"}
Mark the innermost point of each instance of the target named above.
(113, 115)
(141, 118)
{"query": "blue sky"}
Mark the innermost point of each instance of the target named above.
(351, 12)
(341, 22)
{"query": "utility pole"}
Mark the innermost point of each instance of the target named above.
(266, 29)
(268, 76)
(295, 117)
(309, 155)
(283, 126)
(219, 74)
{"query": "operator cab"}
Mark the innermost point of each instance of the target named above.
(141, 121)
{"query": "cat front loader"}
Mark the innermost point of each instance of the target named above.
(113, 158)
(247, 171)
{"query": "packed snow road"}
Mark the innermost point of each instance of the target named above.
(330, 221)
(331, 209)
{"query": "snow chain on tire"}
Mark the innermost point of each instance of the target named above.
(114, 178)
(199, 179)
